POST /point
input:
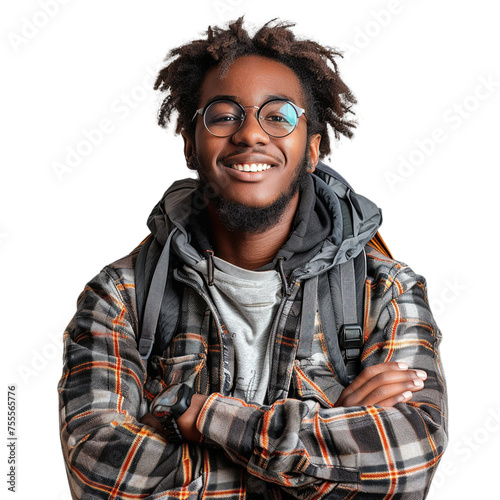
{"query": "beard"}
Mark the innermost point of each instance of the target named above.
(239, 217)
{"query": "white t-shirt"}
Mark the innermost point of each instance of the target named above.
(248, 302)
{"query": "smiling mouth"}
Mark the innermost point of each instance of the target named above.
(250, 167)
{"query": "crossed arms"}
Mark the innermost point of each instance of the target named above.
(375, 440)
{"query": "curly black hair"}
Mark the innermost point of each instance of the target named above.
(328, 98)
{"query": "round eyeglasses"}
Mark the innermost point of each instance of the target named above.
(277, 117)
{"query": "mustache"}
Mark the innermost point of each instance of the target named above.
(255, 151)
(245, 150)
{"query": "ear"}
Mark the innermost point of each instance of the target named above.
(189, 149)
(314, 142)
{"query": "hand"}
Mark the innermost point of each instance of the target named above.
(384, 384)
(186, 422)
(152, 421)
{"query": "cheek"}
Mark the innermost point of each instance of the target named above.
(207, 148)
(294, 151)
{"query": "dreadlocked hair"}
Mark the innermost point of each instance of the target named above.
(328, 99)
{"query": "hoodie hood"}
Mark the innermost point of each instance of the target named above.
(315, 244)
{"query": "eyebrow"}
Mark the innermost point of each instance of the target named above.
(235, 98)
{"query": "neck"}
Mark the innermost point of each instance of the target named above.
(251, 250)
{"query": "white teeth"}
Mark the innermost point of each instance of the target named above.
(250, 167)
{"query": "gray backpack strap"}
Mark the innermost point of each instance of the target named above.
(140, 277)
(351, 332)
(308, 317)
(154, 301)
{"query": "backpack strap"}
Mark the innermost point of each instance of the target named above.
(351, 332)
(149, 306)
(140, 277)
(307, 318)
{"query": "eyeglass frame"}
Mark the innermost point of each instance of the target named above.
(300, 112)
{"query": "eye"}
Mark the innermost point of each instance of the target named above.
(279, 113)
(222, 113)
(223, 118)
(276, 118)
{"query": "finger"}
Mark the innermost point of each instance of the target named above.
(388, 384)
(382, 382)
(400, 398)
(392, 391)
(153, 422)
(374, 370)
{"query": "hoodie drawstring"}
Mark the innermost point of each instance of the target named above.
(282, 275)
(210, 266)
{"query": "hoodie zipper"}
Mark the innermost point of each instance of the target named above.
(272, 337)
(227, 379)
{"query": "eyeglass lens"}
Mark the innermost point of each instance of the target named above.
(277, 118)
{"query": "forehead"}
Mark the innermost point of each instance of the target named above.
(251, 80)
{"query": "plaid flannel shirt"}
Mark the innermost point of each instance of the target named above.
(300, 446)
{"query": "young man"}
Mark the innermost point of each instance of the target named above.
(221, 357)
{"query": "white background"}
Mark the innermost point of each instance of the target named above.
(415, 66)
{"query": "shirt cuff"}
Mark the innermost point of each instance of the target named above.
(231, 423)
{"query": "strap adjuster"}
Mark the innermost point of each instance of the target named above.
(351, 341)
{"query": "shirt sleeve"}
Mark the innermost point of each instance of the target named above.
(107, 451)
(380, 452)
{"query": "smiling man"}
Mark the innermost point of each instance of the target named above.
(261, 340)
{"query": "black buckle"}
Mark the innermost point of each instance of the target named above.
(351, 341)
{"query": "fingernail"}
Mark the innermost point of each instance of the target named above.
(407, 394)
(403, 365)
(422, 374)
(418, 382)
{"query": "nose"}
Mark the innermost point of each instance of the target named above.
(250, 132)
